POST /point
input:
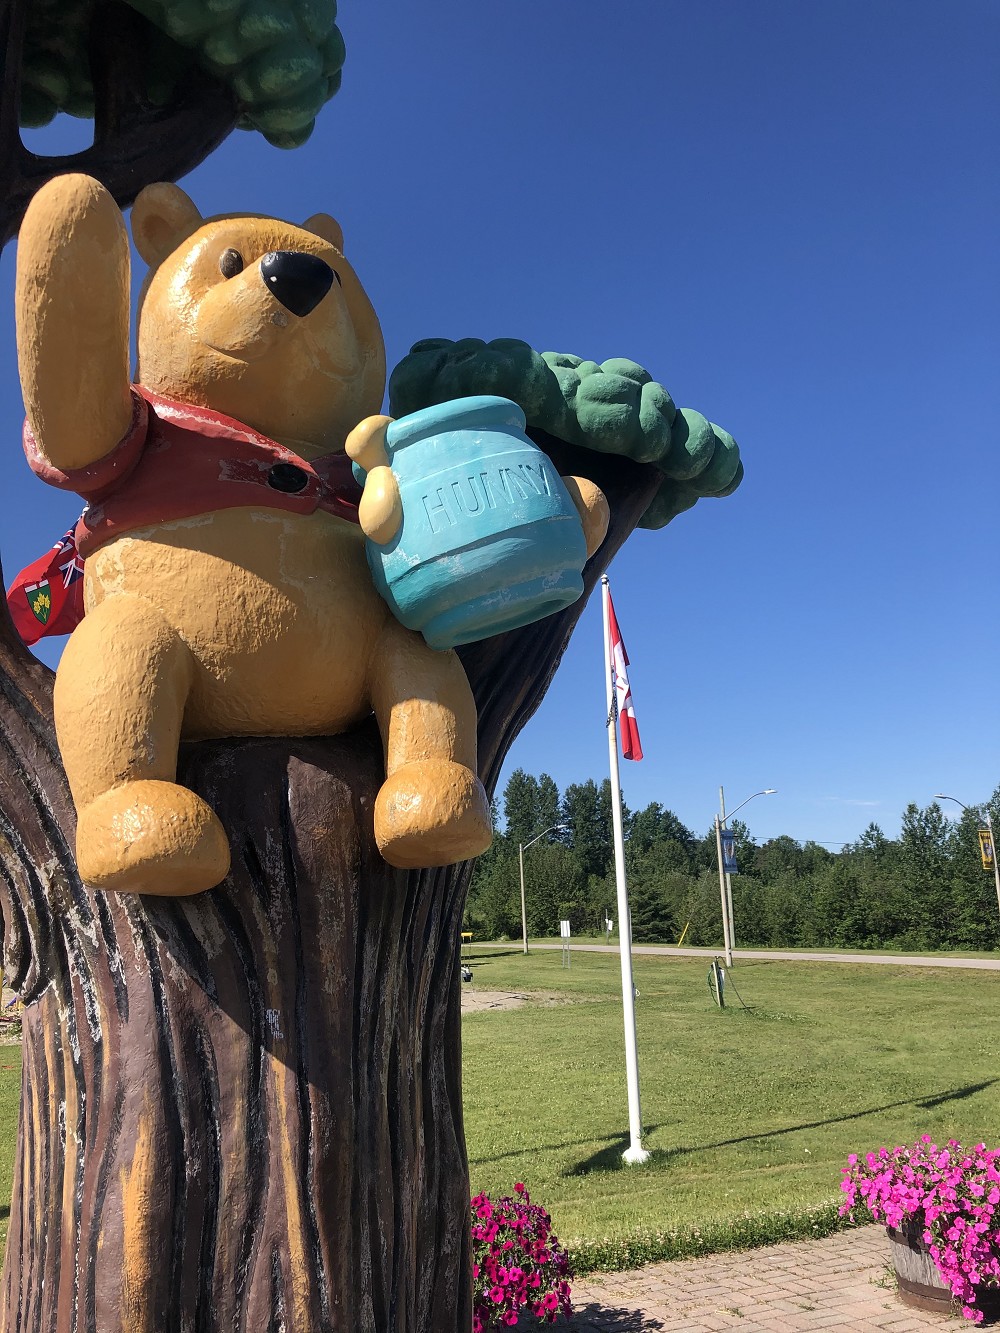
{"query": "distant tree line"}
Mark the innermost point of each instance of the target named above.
(926, 889)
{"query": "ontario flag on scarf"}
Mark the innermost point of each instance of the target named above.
(631, 748)
(47, 597)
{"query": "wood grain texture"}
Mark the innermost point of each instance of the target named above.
(241, 1112)
(135, 142)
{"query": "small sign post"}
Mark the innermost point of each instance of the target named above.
(564, 937)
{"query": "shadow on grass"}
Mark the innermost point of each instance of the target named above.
(956, 1095)
(609, 1158)
(475, 959)
(530, 1148)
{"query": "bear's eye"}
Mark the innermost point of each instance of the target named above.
(230, 263)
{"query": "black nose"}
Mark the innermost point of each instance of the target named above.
(299, 281)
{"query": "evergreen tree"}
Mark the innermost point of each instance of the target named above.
(924, 863)
(555, 887)
(521, 808)
(658, 887)
(549, 805)
(974, 908)
(587, 811)
(926, 890)
(495, 908)
(653, 825)
(703, 912)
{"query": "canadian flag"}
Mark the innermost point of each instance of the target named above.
(631, 747)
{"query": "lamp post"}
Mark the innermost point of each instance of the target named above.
(940, 796)
(522, 847)
(725, 879)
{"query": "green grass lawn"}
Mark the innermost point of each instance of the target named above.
(746, 1111)
(750, 1115)
(10, 1100)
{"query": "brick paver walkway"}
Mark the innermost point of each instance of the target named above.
(842, 1282)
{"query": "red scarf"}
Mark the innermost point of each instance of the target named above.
(176, 461)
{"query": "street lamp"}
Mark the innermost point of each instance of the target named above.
(940, 796)
(725, 879)
(522, 847)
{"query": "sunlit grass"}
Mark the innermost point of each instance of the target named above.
(745, 1110)
(750, 1114)
(10, 1099)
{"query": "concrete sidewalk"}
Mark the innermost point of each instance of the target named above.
(842, 1282)
(782, 956)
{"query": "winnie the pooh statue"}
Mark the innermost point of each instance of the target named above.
(225, 582)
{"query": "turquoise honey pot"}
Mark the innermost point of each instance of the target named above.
(490, 539)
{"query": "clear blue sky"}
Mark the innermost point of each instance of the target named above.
(788, 213)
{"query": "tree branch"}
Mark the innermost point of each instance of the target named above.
(135, 143)
(13, 20)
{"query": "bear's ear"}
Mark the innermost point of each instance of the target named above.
(327, 228)
(162, 216)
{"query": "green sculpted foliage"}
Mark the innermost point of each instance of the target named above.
(615, 407)
(282, 59)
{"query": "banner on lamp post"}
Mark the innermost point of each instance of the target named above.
(728, 838)
(986, 849)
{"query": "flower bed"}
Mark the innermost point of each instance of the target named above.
(950, 1196)
(517, 1262)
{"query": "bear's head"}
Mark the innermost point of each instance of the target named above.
(258, 319)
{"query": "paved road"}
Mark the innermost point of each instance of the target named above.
(842, 1282)
(776, 955)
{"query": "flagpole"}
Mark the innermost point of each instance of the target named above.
(635, 1153)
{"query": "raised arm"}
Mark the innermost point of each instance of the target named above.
(72, 312)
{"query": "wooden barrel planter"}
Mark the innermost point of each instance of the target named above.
(921, 1286)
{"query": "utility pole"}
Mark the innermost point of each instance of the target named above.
(728, 902)
(522, 847)
(988, 820)
(725, 879)
(723, 885)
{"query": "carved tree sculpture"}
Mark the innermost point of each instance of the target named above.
(242, 1111)
(164, 80)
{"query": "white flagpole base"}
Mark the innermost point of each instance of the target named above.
(636, 1155)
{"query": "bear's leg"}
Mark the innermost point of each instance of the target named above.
(432, 809)
(120, 694)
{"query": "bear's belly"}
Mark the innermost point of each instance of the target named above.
(278, 610)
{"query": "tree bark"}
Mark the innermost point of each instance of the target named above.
(135, 142)
(242, 1111)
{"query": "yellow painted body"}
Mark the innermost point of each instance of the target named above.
(239, 622)
(299, 662)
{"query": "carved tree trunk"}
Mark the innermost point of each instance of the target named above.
(243, 1111)
(135, 142)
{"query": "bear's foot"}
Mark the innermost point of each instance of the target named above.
(432, 813)
(151, 837)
